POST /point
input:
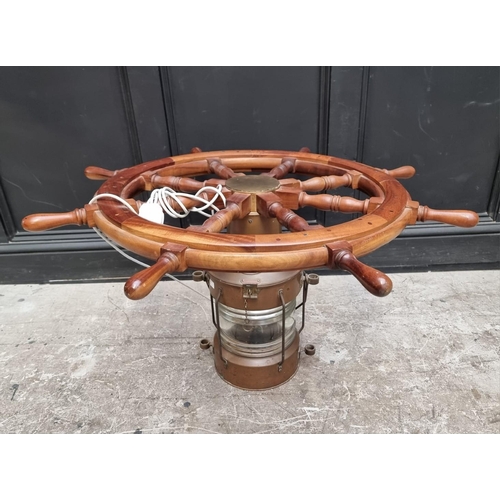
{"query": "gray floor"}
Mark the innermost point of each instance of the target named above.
(82, 358)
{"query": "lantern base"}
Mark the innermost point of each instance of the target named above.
(256, 373)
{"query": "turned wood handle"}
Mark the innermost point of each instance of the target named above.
(220, 170)
(238, 205)
(176, 183)
(143, 282)
(43, 222)
(288, 218)
(333, 203)
(98, 173)
(375, 281)
(284, 168)
(326, 182)
(462, 218)
(406, 172)
(221, 219)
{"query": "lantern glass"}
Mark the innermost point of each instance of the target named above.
(256, 333)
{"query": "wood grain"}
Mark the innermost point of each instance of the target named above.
(406, 172)
(98, 173)
(326, 183)
(283, 169)
(142, 283)
(375, 281)
(334, 203)
(46, 221)
(288, 218)
(388, 211)
(221, 170)
(461, 218)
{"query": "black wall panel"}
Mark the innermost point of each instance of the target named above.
(56, 121)
(245, 108)
(145, 94)
(346, 102)
(443, 121)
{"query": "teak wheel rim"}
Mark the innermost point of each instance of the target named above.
(250, 253)
(385, 214)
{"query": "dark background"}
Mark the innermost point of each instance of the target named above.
(56, 121)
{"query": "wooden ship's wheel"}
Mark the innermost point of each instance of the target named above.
(254, 270)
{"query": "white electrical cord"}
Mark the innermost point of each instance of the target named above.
(115, 197)
(119, 250)
(163, 197)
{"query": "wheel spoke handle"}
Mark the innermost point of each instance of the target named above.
(98, 173)
(461, 218)
(406, 172)
(43, 222)
(375, 281)
(78, 217)
(143, 282)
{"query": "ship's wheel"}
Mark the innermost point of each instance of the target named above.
(261, 196)
(254, 270)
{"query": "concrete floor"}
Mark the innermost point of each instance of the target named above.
(81, 358)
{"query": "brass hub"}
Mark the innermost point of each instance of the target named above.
(253, 223)
(252, 184)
